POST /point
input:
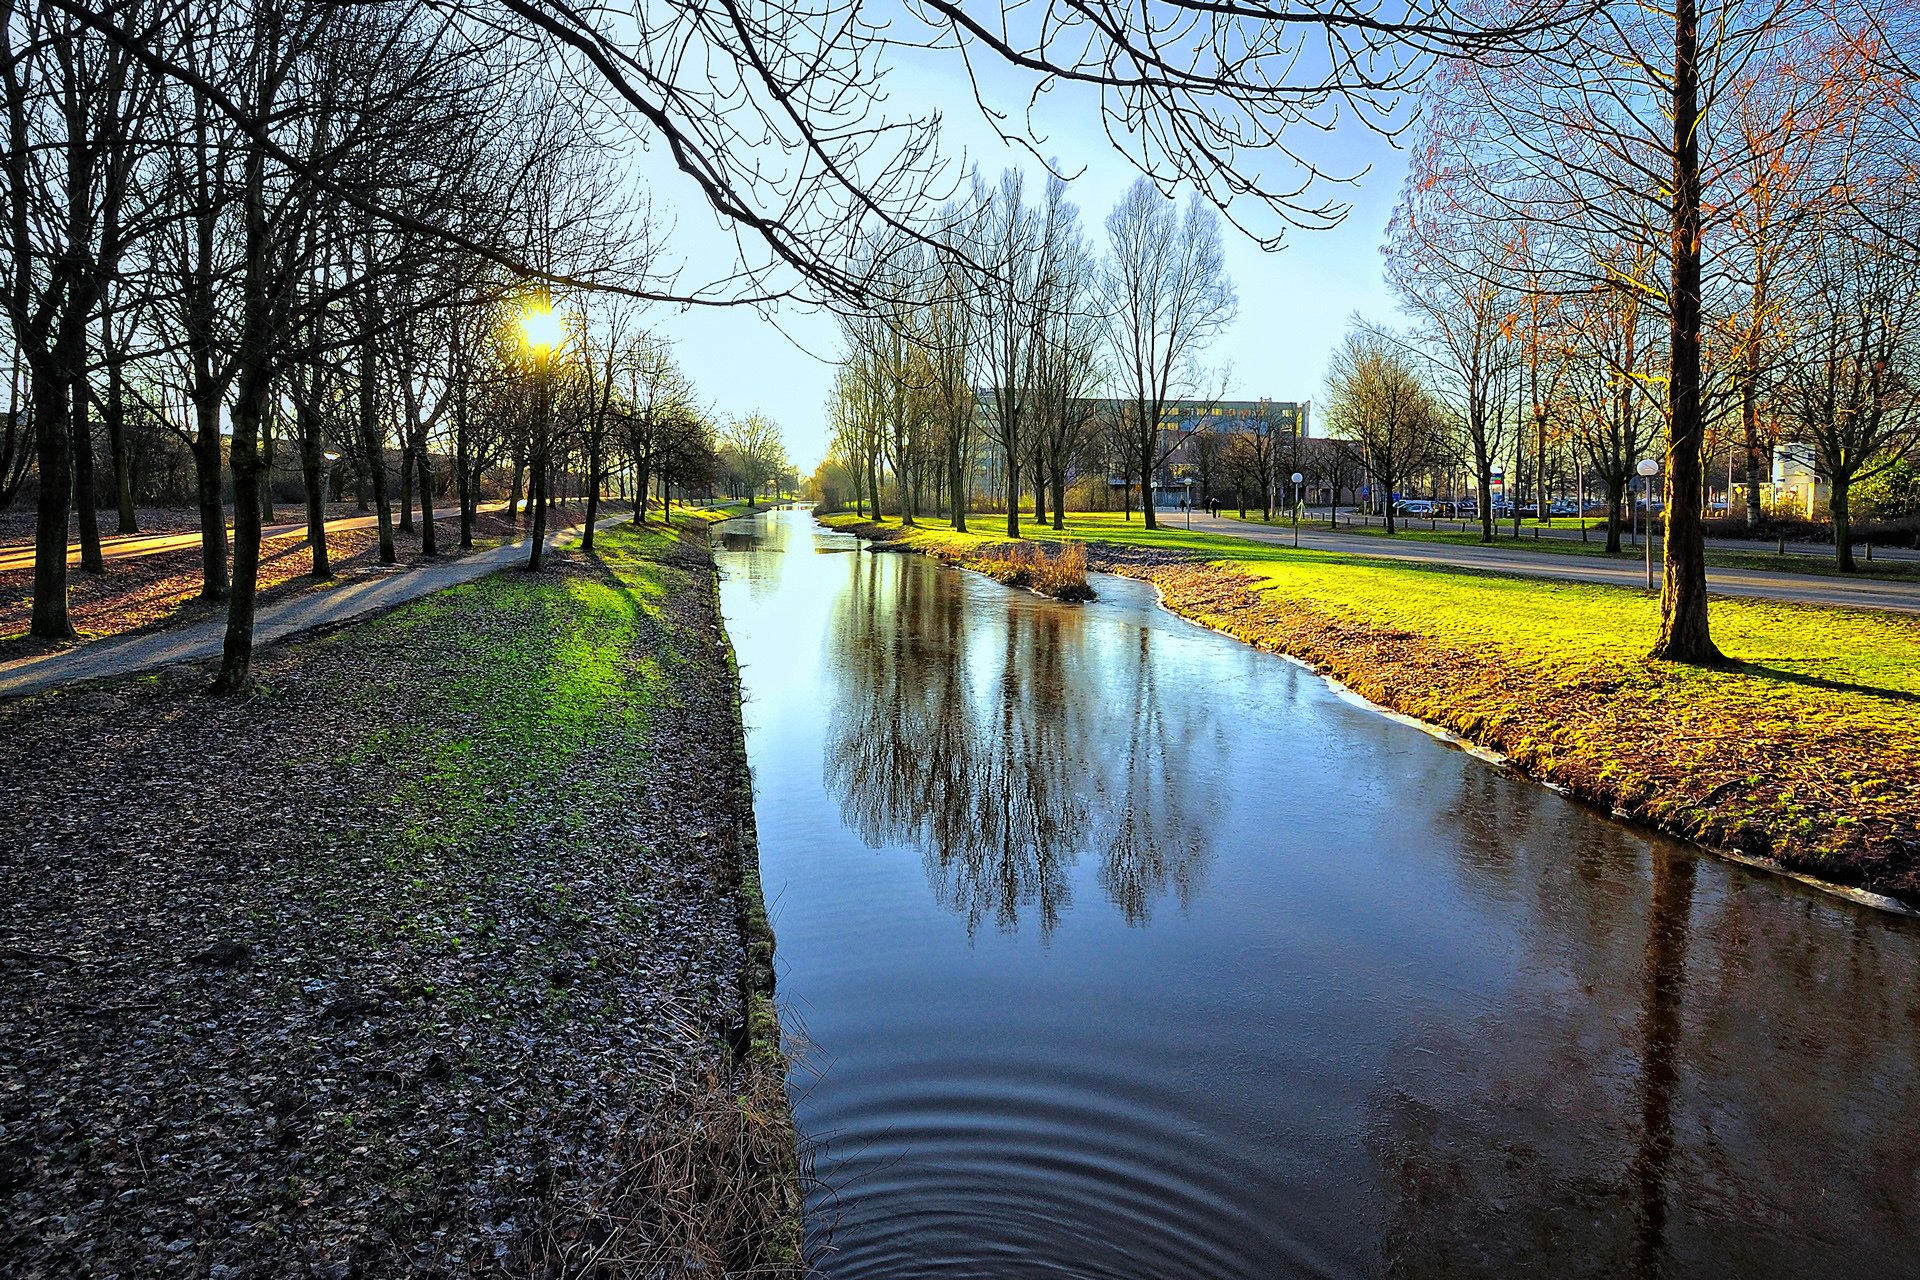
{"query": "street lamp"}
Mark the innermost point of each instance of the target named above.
(1297, 478)
(542, 331)
(1187, 501)
(328, 457)
(1648, 469)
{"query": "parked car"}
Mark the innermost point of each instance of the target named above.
(1563, 507)
(1414, 507)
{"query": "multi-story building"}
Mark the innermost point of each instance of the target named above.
(1185, 419)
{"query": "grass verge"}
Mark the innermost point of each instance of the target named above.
(1803, 561)
(431, 958)
(1805, 750)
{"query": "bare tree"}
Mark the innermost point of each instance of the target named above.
(1166, 296)
(1377, 401)
(1851, 386)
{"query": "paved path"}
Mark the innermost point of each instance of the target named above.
(1568, 531)
(1799, 588)
(126, 655)
(133, 546)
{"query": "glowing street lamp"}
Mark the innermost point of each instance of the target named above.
(1648, 469)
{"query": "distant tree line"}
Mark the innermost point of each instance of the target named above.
(1007, 330)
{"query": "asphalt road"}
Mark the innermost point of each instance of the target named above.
(128, 655)
(134, 546)
(1798, 588)
(1569, 531)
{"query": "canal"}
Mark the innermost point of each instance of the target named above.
(1120, 949)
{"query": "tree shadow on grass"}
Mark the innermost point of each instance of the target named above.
(1821, 682)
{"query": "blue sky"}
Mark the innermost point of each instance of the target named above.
(1293, 303)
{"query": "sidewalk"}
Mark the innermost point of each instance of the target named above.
(127, 655)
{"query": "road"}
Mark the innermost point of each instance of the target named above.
(1798, 588)
(127, 655)
(1569, 531)
(134, 546)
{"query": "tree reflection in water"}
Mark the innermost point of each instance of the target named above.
(993, 742)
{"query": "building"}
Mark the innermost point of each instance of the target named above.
(1186, 417)
(1797, 484)
(1179, 419)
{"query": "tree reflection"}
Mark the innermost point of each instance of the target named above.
(977, 738)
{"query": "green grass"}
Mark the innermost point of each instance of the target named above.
(1818, 564)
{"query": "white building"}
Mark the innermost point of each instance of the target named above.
(1797, 484)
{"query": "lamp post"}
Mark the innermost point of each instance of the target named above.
(541, 329)
(328, 457)
(1297, 478)
(1648, 469)
(1187, 501)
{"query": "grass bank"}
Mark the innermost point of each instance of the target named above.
(1804, 751)
(443, 954)
(1799, 559)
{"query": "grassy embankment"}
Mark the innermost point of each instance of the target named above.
(474, 974)
(1801, 558)
(1804, 750)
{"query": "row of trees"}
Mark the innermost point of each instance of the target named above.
(1667, 225)
(289, 225)
(1008, 329)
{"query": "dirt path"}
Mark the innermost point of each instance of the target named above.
(143, 652)
(1901, 597)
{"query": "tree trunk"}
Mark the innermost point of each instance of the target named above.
(541, 476)
(1148, 519)
(1616, 500)
(91, 561)
(313, 473)
(1483, 481)
(1059, 496)
(50, 620)
(118, 443)
(513, 494)
(593, 497)
(406, 488)
(375, 455)
(266, 464)
(1839, 504)
(643, 476)
(423, 471)
(1684, 634)
(956, 489)
(213, 515)
(236, 659)
(1013, 494)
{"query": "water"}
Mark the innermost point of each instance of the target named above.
(1127, 951)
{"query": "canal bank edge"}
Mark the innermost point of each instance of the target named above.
(757, 1045)
(1214, 594)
